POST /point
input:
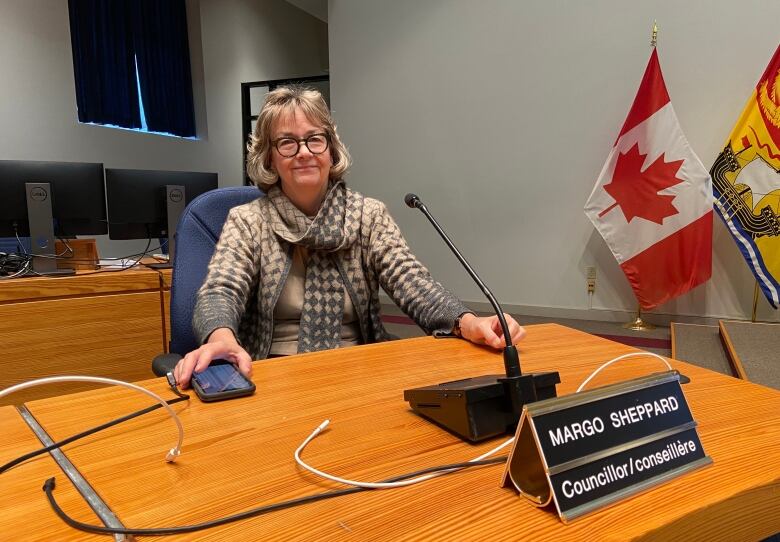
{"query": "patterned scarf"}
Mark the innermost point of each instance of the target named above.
(334, 228)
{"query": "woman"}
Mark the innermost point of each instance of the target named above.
(300, 269)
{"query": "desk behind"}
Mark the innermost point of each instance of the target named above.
(105, 324)
(82, 284)
(238, 454)
(166, 279)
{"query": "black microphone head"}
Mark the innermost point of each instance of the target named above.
(412, 200)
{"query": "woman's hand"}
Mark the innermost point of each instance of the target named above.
(222, 344)
(487, 330)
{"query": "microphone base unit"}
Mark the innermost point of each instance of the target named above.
(485, 406)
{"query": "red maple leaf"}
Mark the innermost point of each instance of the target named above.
(636, 191)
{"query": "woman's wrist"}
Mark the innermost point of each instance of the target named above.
(223, 334)
(463, 324)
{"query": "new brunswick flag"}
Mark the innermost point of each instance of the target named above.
(746, 182)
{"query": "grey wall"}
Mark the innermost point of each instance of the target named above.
(231, 41)
(500, 114)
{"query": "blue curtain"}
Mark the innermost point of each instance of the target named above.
(103, 63)
(111, 37)
(163, 55)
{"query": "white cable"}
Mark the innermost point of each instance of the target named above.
(172, 454)
(380, 485)
(624, 356)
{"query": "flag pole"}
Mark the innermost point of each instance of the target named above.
(755, 303)
(637, 324)
(654, 36)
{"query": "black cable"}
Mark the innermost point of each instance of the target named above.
(48, 488)
(69, 249)
(119, 258)
(13, 265)
(134, 264)
(14, 262)
(89, 432)
(50, 484)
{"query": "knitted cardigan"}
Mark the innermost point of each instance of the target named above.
(251, 263)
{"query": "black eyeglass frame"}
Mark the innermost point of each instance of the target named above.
(304, 140)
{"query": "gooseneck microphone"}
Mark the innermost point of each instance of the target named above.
(511, 356)
(485, 406)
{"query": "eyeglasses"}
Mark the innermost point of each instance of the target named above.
(289, 146)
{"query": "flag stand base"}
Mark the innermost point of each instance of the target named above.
(637, 324)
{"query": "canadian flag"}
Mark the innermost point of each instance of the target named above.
(652, 202)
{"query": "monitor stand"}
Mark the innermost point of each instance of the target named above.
(41, 222)
(175, 202)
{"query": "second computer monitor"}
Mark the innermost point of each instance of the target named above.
(139, 201)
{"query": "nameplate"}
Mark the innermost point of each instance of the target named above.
(591, 449)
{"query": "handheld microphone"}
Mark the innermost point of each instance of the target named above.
(485, 406)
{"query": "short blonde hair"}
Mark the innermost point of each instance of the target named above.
(277, 103)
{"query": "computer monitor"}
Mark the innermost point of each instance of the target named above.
(47, 199)
(143, 204)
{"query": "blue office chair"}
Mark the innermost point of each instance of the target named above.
(196, 235)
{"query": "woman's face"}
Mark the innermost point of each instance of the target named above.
(304, 177)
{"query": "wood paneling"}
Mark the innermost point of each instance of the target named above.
(84, 254)
(238, 454)
(732, 352)
(166, 276)
(166, 315)
(109, 335)
(84, 283)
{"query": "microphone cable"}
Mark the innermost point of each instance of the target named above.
(49, 485)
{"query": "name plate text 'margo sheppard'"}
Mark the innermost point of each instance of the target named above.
(591, 449)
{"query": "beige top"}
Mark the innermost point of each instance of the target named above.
(287, 313)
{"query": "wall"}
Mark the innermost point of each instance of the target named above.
(500, 114)
(231, 41)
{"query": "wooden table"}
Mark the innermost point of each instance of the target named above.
(20, 487)
(239, 454)
(103, 324)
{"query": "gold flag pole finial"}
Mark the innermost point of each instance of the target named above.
(654, 38)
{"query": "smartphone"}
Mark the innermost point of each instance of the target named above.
(221, 380)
